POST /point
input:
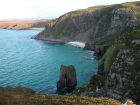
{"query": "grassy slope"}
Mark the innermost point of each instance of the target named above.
(29, 99)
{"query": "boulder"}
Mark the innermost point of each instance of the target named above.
(67, 81)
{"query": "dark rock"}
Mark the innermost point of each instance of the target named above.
(89, 46)
(67, 79)
(101, 69)
(99, 52)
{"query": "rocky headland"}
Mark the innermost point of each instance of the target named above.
(113, 33)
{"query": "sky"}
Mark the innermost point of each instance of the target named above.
(46, 9)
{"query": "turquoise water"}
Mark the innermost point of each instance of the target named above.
(35, 64)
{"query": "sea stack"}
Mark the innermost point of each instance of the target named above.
(67, 81)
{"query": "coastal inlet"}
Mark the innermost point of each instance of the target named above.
(36, 64)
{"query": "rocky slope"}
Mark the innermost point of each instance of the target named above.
(22, 24)
(119, 72)
(93, 23)
(113, 32)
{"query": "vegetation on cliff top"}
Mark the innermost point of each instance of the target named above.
(30, 99)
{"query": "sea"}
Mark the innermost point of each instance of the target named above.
(35, 64)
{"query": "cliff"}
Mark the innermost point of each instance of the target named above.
(93, 23)
(22, 24)
(119, 70)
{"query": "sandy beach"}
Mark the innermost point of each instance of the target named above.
(77, 44)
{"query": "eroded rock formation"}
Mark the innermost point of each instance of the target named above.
(67, 79)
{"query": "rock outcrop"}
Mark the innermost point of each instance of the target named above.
(67, 79)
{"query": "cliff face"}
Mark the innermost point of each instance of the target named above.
(119, 72)
(93, 23)
(123, 79)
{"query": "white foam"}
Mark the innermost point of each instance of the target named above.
(77, 44)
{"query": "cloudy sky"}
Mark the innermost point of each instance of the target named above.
(33, 9)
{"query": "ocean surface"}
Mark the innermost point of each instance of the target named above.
(25, 61)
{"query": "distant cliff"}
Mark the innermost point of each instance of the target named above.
(93, 23)
(22, 24)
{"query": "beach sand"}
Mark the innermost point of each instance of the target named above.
(77, 44)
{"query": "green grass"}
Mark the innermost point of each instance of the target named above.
(110, 56)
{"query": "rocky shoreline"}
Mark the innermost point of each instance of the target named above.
(50, 40)
(61, 41)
